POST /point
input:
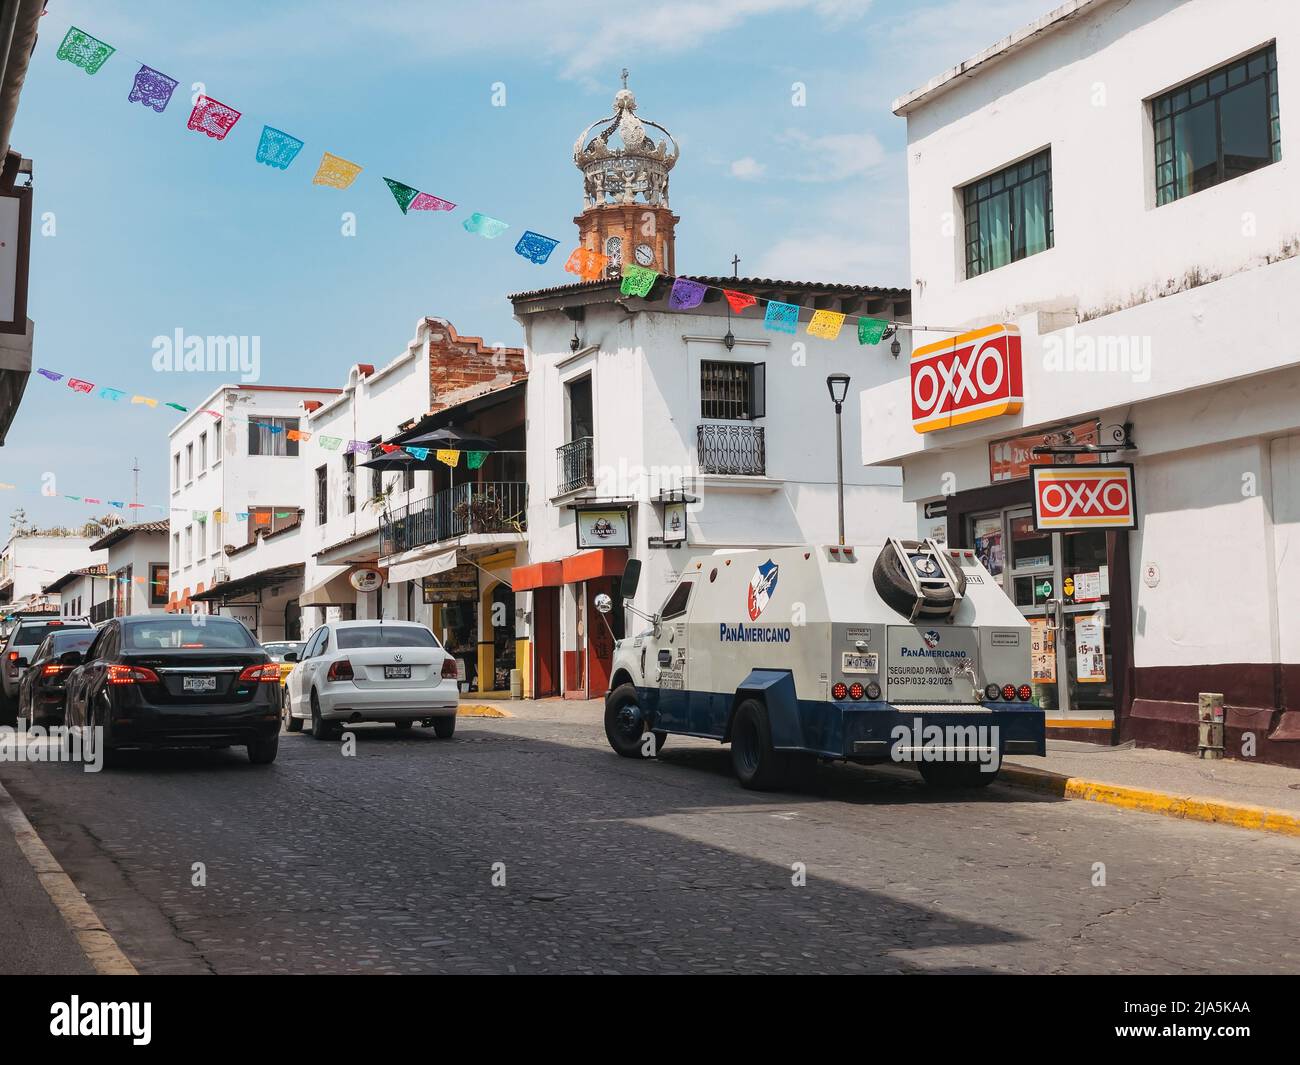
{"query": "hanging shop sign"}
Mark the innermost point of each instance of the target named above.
(674, 523)
(1073, 497)
(365, 579)
(967, 378)
(1010, 460)
(602, 528)
(456, 585)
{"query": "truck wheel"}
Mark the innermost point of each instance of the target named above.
(954, 776)
(624, 726)
(757, 765)
(894, 587)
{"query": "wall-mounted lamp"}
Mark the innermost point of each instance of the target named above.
(729, 341)
(575, 343)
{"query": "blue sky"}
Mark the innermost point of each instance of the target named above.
(158, 228)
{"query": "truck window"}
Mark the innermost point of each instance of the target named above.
(676, 605)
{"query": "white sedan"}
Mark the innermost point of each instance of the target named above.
(354, 671)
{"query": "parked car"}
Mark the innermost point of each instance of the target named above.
(42, 691)
(284, 653)
(157, 680)
(19, 647)
(354, 671)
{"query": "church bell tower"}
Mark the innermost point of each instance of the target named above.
(625, 189)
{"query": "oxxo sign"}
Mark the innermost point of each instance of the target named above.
(1084, 497)
(967, 378)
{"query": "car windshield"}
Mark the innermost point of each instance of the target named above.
(186, 633)
(76, 640)
(384, 636)
(279, 649)
(32, 635)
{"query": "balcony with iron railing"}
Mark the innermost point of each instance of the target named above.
(736, 449)
(463, 509)
(101, 611)
(576, 466)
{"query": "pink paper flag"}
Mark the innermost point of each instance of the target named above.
(428, 202)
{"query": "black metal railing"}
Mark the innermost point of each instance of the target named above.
(489, 507)
(576, 469)
(735, 449)
(101, 611)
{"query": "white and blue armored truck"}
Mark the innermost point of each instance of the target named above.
(906, 652)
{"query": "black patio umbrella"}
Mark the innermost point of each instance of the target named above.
(449, 437)
(399, 460)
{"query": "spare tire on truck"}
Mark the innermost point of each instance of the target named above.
(894, 585)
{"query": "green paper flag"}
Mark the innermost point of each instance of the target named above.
(870, 330)
(177, 406)
(403, 194)
(475, 459)
(637, 280)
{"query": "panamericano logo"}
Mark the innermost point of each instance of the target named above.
(753, 633)
(762, 586)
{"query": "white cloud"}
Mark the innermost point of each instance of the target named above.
(747, 169)
(833, 156)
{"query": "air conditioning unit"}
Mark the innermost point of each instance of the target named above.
(220, 575)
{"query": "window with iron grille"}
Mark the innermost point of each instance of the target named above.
(733, 391)
(1008, 215)
(322, 495)
(350, 481)
(1217, 127)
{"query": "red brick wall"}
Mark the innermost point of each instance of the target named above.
(461, 368)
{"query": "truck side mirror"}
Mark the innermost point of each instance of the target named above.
(631, 578)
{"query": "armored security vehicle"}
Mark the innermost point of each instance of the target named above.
(905, 652)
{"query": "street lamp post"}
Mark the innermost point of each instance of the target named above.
(837, 384)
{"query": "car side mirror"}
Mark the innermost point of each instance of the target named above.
(70, 658)
(21, 663)
(631, 578)
(665, 657)
(292, 656)
(604, 604)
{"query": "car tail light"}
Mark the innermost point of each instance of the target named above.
(1026, 693)
(13, 656)
(1008, 692)
(450, 671)
(118, 674)
(841, 690)
(873, 690)
(856, 691)
(266, 673)
(340, 670)
(52, 670)
(992, 691)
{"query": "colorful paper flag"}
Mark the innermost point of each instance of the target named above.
(145, 400)
(485, 225)
(261, 517)
(177, 406)
(78, 385)
(781, 317)
(89, 500)
(111, 393)
(426, 201)
(403, 194)
(448, 455)
(419, 453)
(357, 447)
(475, 459)
(298, 434)
(870, 330)
(826, 324)
(51, 375)
(637, 280)
(152, 88)
(212, 118)
(739, 301)
(82, 50)
(336, 172)
(589, 265)
(276, 148)
(536, 248)
(686, 294)
(388, 449)
(329, 443)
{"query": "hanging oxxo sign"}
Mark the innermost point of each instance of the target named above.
(1084, 497)
(967, 378)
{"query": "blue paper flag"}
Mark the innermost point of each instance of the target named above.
(277, 148)
(781, 317)
(536, 248)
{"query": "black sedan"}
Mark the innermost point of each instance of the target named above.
(42, 691)
(157, 680)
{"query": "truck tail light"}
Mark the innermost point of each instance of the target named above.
(840, 690)
(856, 690)
(266, 673)
(449, 669)
(119, 674)
(991, 692)
(873, 690)
(1008, 692)
(340, 670)
(1026, 693)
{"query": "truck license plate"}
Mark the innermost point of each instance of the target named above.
(857, 662)
(397, 672)
(199, 684)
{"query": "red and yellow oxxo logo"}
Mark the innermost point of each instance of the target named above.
(1084, 497)
(967, 378)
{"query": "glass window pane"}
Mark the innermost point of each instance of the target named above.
(1196, 148)
(1197, 93)
(1243, 118)
(1218, 82)
(1258, 64)
(1237, 74)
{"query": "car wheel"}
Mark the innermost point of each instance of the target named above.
(402, 726)
(320, 728)
(955, 776)
(263, 752)
(291, 723)
(757, 765)
(624, 726)
(444, 727)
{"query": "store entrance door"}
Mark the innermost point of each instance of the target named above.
(1061, 583)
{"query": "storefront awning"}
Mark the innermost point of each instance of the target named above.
(422, 567)
(333, 591)
(253, 582)
(584, 566)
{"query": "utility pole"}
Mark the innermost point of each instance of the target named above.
(135, 490)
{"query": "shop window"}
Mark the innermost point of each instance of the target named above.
(733, 391)
(1008, 215)
(158, 578)
(1217, 126)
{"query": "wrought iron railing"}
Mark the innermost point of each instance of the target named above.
(576, 469)
(101, 611)
(490, 507)
(734, 449)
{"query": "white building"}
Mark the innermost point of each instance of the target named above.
(237, 499)
(80, 591)
(29, 562)
(1114, 180)
(659, 433)
(135, 562)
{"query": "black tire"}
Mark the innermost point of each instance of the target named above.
(444, 727)
(624, 726)
(320, 728)
(757, 765)
(291, 723)
(956, 776)
(402, 726)
(8, 710)
(263, 752)
(894, 587)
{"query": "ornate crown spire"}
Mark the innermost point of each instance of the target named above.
(623, 163)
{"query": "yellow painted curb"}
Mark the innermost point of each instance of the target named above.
(1183, 807)
(101, 950)
(481, 710)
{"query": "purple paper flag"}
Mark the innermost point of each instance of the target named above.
(686, 294)
(152, 88)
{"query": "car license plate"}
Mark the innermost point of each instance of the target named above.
(199, 684)
(854, 662)
(397, 672)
